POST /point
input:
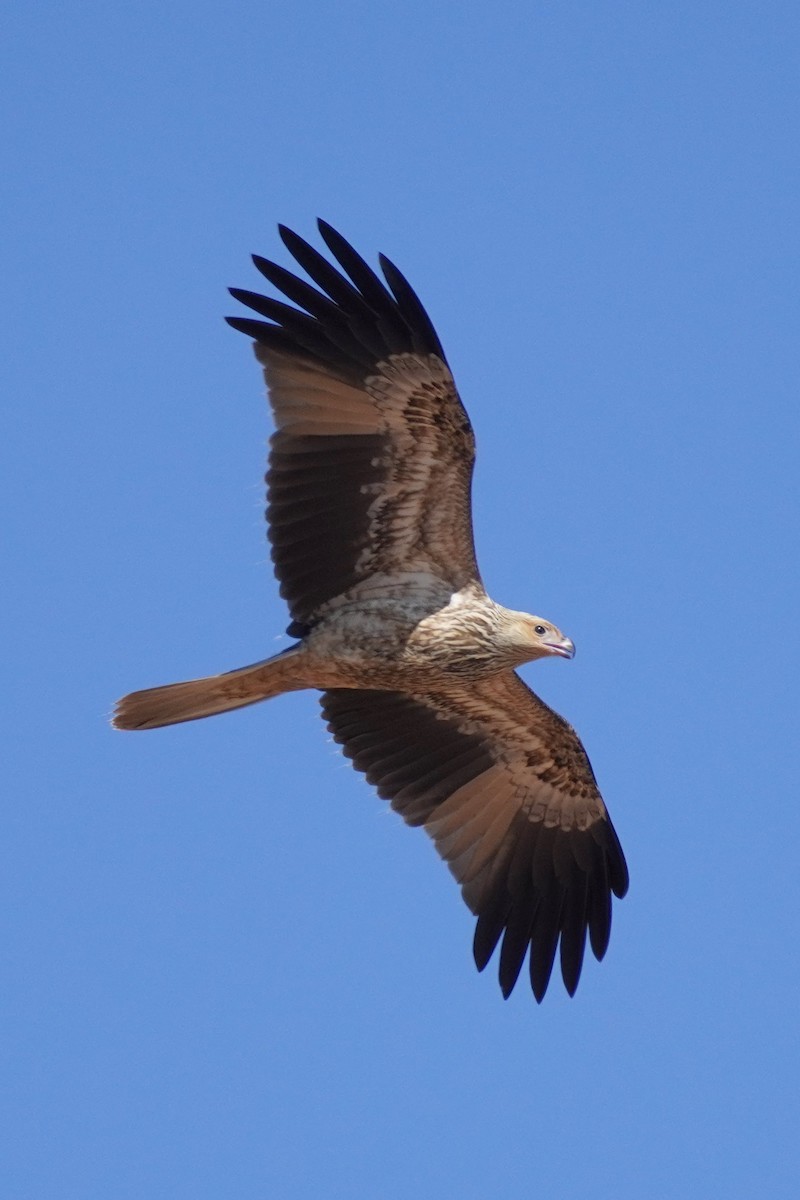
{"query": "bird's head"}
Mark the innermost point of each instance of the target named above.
(537, 638)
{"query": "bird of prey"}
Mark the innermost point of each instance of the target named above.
(369, 516)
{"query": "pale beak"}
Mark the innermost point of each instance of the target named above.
(565, 647)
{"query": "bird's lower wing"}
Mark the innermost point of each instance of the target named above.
(503, 786)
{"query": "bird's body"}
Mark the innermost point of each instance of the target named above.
(370, 523)
(424, 639)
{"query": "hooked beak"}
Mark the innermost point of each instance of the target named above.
(565, 647)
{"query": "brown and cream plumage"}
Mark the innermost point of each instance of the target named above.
(370, 523)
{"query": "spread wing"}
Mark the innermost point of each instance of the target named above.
(371, 465)
(504, 787)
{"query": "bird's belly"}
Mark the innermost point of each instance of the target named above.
(370, 631)
(385, 645)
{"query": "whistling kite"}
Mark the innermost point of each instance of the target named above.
(371, 532)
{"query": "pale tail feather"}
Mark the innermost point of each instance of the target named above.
(196, 698)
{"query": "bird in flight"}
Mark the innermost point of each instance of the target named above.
(369, 515)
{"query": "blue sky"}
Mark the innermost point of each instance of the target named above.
(229, 969)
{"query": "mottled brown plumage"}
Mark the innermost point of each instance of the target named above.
(370, 523)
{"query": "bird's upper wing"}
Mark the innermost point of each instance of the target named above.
(504, 787)
(370, 467)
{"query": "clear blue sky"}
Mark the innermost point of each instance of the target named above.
(228, 968)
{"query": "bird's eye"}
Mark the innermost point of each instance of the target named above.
(540, 629)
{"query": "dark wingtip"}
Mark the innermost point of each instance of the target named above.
(620, 879)
(539, 988)
(618, 868)
(348, 317)
(242, 295)
(488, 931)
(247, 326)
(294, 243)
(571, 977)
